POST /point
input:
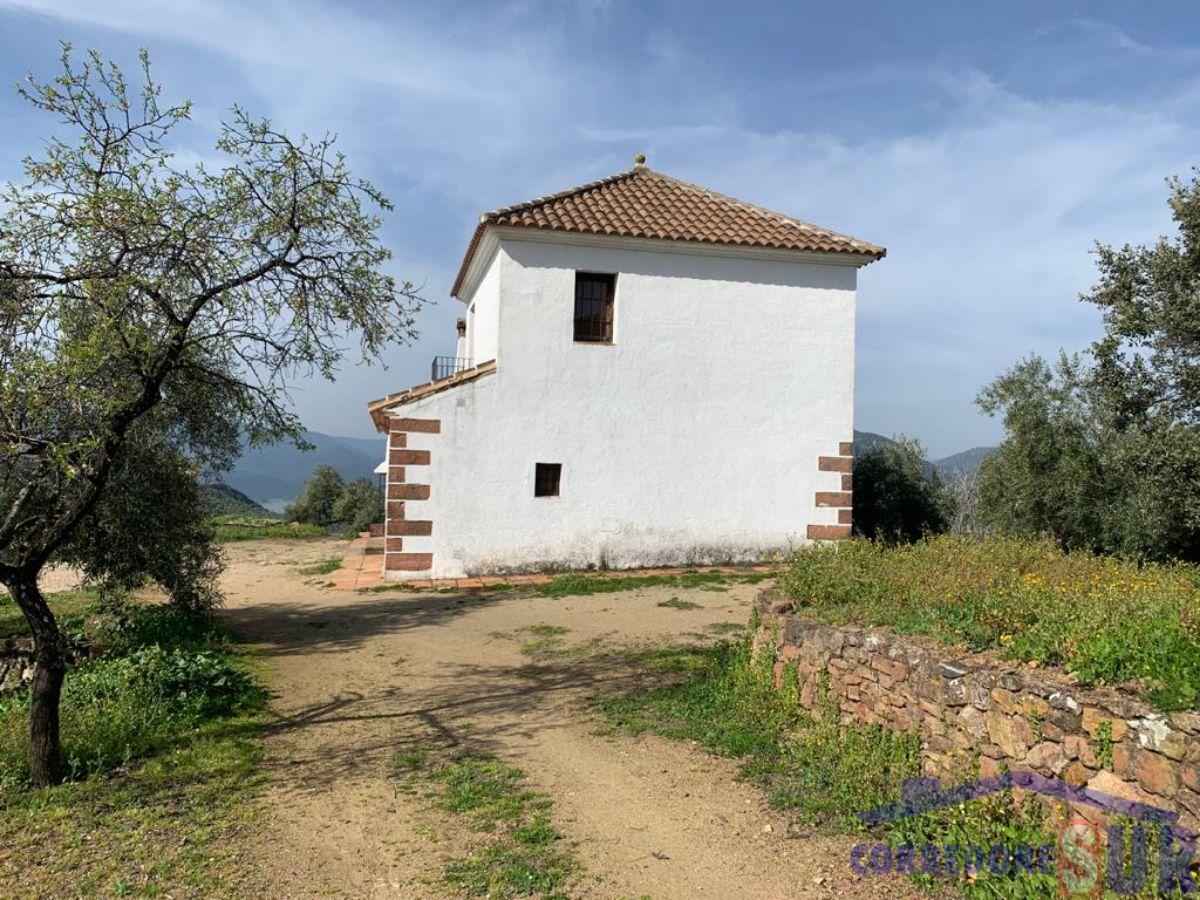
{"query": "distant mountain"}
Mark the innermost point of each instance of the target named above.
(226, 501)
(866, 441)
(274, 475)
(965, 463)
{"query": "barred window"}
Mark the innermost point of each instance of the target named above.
(594, 307)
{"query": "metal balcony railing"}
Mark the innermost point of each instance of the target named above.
(445, 366)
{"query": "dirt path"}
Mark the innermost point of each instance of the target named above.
(362, 677)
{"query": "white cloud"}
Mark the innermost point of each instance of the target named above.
(988, 210)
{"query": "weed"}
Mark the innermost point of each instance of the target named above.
(161, 735)
(544, 631)
(676, 603)
(1037, 726)
(985, 822)
(1103, 620)
(522, 853)
(410, 761)
(576, 585)
(724, 628)
(1104, 744)
(325, 567)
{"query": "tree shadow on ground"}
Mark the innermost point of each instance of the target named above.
(473, 708)
(281, 627)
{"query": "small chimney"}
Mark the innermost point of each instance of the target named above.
(639, 161)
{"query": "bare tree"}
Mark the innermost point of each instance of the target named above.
(131, 286)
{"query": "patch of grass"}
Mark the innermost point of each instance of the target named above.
(410, 761)
(724, 628)
(161, 736)
(173, 824)
(823, 772)
(548, 639)
(253, 528)
(69, 607)
(1103, 620)
(581, 584)
(520, 853)
(676, 603)
(544, 631)
(728, 703)
(325, 567)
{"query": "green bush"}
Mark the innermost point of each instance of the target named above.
(895, 498)
(1104, 620)
(359, 506)
(164, 672)
(315, 504)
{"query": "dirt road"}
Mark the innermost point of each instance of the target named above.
(360, 678)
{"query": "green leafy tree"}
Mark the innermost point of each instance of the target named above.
(1148, 362)
(132, 284)
(151, 522)
(896, 499)
(1074, 466)
(359, 507)
(315, 505)
(1103, 449)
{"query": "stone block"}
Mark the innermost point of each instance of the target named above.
(1156, 773)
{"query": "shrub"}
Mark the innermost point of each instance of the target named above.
(1104, 620)
(359, 506)
(895, 498)
(150, 523)
(163, 672)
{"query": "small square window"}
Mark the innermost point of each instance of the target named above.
(546, 479)
(594, 295)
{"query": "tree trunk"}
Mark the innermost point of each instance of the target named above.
(49, 667)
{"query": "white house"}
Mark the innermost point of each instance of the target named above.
(648, 374)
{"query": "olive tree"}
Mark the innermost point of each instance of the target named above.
(898, 497)
(315, 504)
(1102, 449)
(359, 506)
(134, 284)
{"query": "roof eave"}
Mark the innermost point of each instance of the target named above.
(868, 253)
(379, 409)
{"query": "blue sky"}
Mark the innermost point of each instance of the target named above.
(986, 145)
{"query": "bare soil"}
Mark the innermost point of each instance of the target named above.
(361, 677)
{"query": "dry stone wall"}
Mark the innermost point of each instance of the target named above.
(1009, 716)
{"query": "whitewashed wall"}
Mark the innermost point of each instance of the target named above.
(693, 438)
(483, 321)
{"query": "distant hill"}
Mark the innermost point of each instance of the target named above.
(965, 463)
(274, 475)
(225, 501)
(866, 441)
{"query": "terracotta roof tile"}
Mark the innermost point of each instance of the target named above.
(647, 204)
